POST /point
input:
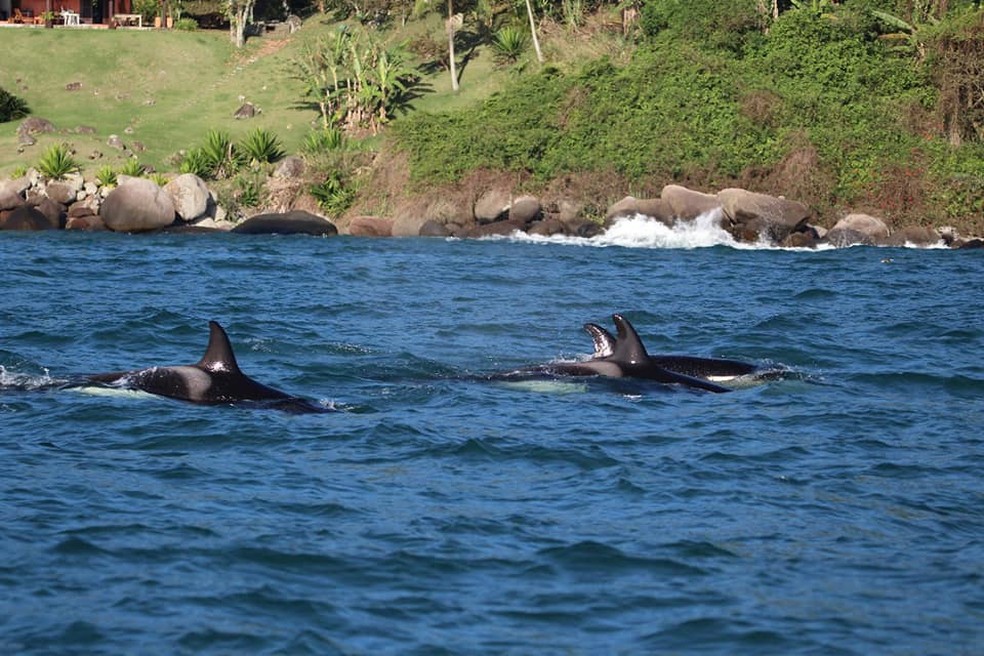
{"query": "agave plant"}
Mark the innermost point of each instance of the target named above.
(57, 162)
(323, 141)
(195, 162)
(221, 155)
(508, 44)
(261, 147)
(132, 168)
(106, 176)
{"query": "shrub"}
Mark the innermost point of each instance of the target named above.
(333, 195)
(132, 168)
(250, 189)
(12, 107)
(261, 147)
(196, 163)
(323, 141)
(222, 158)
(57, 162)
(186, 24)
(508, 44)
(106, 176)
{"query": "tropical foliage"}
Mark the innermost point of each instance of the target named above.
(355, 82)
(11, 107)
(815, 103)
(57, 162)
(261, 147)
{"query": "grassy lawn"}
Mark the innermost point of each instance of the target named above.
(166, 90)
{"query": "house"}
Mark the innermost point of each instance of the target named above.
(91, 11)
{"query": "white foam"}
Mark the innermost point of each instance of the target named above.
(643, 232)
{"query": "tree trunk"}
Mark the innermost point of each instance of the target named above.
(536, 41)
(451, 63)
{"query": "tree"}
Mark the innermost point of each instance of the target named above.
(240, 14)
(453, 23)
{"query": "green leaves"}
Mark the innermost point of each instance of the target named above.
(57, 162)
(12, 107)
(262, 147)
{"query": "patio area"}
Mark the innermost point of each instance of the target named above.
(70, 14)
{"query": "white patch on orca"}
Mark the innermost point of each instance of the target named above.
(546, 386)
(114, 392)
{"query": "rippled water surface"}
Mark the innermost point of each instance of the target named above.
(839, 510)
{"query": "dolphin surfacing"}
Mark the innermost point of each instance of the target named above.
(214, 380)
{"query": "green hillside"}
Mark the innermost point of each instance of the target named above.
(832, 104)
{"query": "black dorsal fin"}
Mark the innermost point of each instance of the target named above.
(628, 347)
(604, 341)
(218, 356)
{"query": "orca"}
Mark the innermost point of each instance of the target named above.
(621, 357)
(713, 369)
(214, 380)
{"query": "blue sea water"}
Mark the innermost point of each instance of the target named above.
(837, 510)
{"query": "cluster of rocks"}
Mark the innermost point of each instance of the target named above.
(133, 205)
(747, 216)
(186, 204)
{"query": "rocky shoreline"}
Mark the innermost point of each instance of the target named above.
(186, 204)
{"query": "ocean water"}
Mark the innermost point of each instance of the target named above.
(837, 510)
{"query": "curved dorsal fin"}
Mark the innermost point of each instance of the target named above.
(218, 356)
(628, 346)
(604, 341)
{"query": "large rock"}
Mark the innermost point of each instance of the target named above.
(190, 196)
(291, 166)
(25, 218)
(12, 192)
(499, 228)
(53, 211)
(525, 210)
(868, 225)
(137, 205)
(653, 208)
(687, 204)
(492, 206)
(409, 221)
(434, 228)
(61, 192)
(370, 226)
(921, 236)
(755, 216)
(295, 222)
(87, 223)
(844, 237)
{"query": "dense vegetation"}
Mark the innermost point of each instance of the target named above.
(11, 107)
(866, 104)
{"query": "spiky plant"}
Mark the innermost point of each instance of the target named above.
(323, 141)
(508, 44)
(261, 147)
(132, 168)
(57, 162)
(106, 176)
(221, 154)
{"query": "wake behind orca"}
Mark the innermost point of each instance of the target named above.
(214, 380)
